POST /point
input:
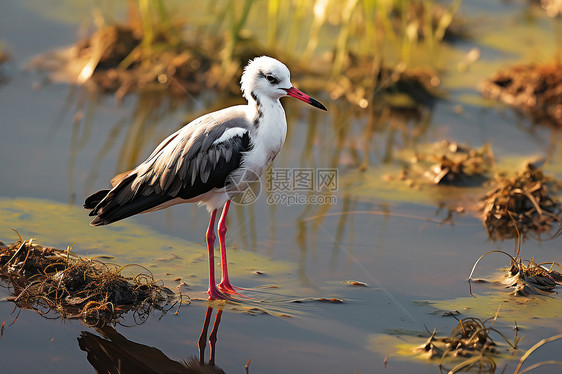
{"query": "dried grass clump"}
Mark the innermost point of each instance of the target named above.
(449, 163)
(534, 89)
(404, 91)
(470, 341)
(521, 204)
(113, 60)
(533, 278)
(120, 63)
(460, 165)
(60, 284)
(524, 279)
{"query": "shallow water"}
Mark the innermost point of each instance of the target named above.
(393, 238)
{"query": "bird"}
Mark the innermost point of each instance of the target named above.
(209, 161)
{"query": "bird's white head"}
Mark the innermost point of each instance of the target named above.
(265, 77)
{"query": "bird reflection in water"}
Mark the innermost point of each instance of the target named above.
(113, 353)
(212, 337)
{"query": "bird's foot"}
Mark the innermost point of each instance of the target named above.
(215, 294)
(225, 287)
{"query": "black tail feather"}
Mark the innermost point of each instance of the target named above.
(94, 199)
(113, 205)
(112, 211)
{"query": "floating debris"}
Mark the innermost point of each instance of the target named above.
(355, 283)
(521, 204)
(535, 90)
(330, 300)
(60, 284)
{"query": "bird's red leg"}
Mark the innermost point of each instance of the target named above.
(224, 285)
(213, 292)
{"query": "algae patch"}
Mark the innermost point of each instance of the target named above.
(166, 256)
(532, 310)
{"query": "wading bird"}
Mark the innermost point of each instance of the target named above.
(209, 161)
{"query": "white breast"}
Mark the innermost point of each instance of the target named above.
(268, 139)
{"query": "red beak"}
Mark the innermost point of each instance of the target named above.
(304, 97)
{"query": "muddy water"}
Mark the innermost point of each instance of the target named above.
(402, 243)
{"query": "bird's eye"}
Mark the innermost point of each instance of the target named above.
(271, 79)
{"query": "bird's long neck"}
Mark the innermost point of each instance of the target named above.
(270, 124)
(266, 111)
